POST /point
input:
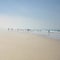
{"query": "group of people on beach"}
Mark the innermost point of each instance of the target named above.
(26, 30)
(11, 29)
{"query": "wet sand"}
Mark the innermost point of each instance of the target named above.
(27, 46)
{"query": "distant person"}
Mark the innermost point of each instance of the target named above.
(28, 30)
(8, 29)
(11, 29)
(18, 29)
(48, 31)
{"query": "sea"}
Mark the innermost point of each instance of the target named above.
(51, 34)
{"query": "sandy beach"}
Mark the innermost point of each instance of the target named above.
(27, 46)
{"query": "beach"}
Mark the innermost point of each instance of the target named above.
(28, 46)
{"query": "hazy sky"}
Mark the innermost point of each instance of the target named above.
(30, 14)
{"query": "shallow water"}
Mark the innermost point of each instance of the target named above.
(54, 35)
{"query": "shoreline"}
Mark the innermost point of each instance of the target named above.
(46, 34)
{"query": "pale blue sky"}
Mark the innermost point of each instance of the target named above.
(30, 13)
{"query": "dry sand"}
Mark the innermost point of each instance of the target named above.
(27, 46)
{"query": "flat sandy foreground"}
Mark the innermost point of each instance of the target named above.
(27, 46)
